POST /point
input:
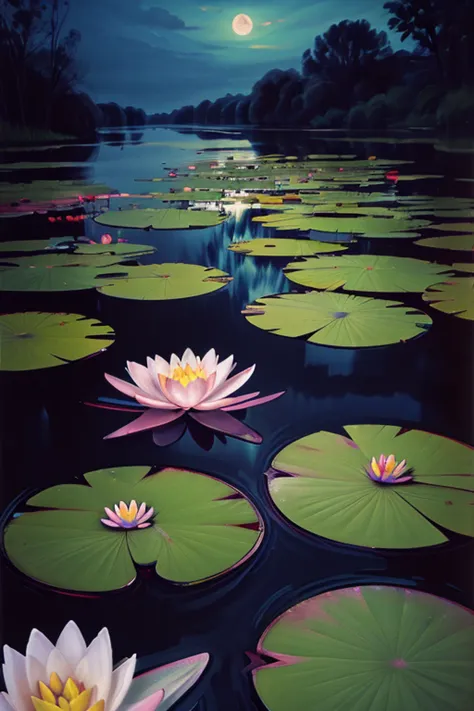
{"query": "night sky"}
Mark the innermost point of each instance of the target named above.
(163, 54)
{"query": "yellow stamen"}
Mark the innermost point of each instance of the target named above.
(55, 684)
(41, 705)
(375, 467)
(81, 703)
(70, 690)
(98, 706)
(46, 693)
(390, 464)
(63, 704)
(187, 375)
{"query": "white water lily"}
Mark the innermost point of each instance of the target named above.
(70, 676)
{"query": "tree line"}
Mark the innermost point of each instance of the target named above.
(351, 78)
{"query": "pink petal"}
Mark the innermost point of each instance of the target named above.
(141, 510)
(402, 480)
(192, 394)
(143, 378)
(106, 522)
(189, 358)
(223, 370)
(144, 525)
(155, 404)
(220, 421)
(253, 403)
(218, 404)
(147, 421)
(399, 468)
(122, 386)
(113, 516)
(174, 362)
(170, 434)
(162, 366)
(230, 386)
(147, 516)
(150, 703)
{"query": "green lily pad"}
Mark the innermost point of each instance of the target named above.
(193, 196)
(261, 247)
(368, 647)
(157, 282)
(49, 190)
(464, 267)
(363, 272)
(320, 484)
(364, 226)
(165, 219)
(201, 528)
(57, 278)
(461, 243)
(454, 297)
(63, 259)
(337, 319)
(30, 245)
(122, 249)
(456, 227)
(34, 340)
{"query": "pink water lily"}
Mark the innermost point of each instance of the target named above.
(189, 383)
(387, 471)
(71, 676)
(132, 516)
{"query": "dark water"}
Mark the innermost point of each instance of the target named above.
(49, 436)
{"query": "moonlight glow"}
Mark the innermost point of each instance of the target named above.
(242, 25)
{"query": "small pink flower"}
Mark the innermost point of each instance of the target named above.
(387, 471)
(131, 516)
(106, 239)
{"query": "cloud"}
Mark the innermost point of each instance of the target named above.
(265, 46)
(159, 17)
(265, 24)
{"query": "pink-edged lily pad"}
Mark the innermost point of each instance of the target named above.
(323, 484)
(368, 647)
(201, 528)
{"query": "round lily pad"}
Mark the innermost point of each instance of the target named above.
(366, 272)
(337, 319)
(165, 219)
(368, 647)
(122, 249)
(456, 227)
(27, 245)
(455, 297)
(321, 484)
(282, 247)
(56, 278)
(364, 226)
(200, 528)
(464, 267)
(156, 282)
(461, 243)
(63, 259)
(34, 340)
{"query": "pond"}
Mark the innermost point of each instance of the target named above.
(277, 541)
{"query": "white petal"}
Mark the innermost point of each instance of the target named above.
(59, 664)
(145, 380)
(223, 371)
(189, 396)
(71, 644)
(5, 702)
(174, 362)
(37, 652)
(162, 366)
(121, 680)
(209, 362)
(189, 358)
(95, 669)
(14, 674)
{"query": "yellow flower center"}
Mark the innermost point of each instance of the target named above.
(188, 375)
(66, 697)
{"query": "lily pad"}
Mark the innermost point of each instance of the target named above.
(320, 483)
(193, 196)
(456, 227)
(369, 273)
(461, 243)
(122, 249)
(30, 245)
(464, 267)
(261, 247)
(364, 226)
(157, 282)
(454, 297)
(57, 278)
(368, 647)
(63, 259)
(200, 528)
(337, 319)
(165, 219)
(34, 340)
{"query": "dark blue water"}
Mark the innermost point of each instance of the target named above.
(49, 436)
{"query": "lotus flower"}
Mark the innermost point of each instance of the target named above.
(188, 383)
(128, 516)
(73, 677)
(387, 471)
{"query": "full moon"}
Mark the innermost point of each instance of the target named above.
(242, 24)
